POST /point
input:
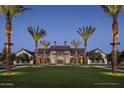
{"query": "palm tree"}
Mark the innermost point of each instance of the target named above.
(113, 11)
(10, 12)
(76, 44)
(45, 45)
(85, 33)
(36, 34)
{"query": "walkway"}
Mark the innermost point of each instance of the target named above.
(104, 67)
(17, 67)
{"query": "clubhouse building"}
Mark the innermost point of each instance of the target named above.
(62, 54)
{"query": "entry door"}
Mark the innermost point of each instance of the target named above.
(60, 58)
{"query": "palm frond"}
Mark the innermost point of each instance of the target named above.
(12, 10)
(112, 10)
(86, 32)
(36, 33)
(75, 43)
(45, 44)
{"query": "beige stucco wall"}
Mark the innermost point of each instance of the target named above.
(53, 57)
(67, 57)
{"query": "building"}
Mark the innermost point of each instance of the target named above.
(63, 54)
(21, 52)
(99, 57)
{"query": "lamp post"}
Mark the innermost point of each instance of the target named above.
(118, 43)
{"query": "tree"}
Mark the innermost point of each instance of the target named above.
(23, 58)
(13, 57)
(1, 57)
(85, 33)
(120, 57)
(76, 44)
(36, 34)
(113, 11)
(10, 12)
(95, 56)
(3, 54)
(45, 45)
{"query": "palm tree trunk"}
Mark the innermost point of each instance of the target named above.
(8, 44)
(76, 55)
(74, 59)
(85, 52)
(41, 58)
(114, 48)
(44, 56)
(36, 52)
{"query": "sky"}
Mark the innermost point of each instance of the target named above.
(61, 23)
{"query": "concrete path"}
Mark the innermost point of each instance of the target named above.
(104, 67)
(17, 67)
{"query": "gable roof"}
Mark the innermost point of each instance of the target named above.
(32, 53)
(98, 50)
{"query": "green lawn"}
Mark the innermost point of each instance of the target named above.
(2, 67)
(62, 77)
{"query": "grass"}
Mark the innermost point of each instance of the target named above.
(2, 67)
(61, 77)
(122, 68)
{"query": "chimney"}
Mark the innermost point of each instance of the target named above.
(65, 43)
(54, 43)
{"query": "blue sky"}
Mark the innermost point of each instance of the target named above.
(62, 23)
